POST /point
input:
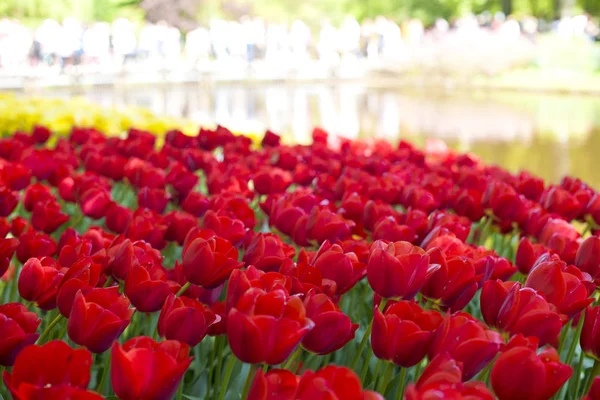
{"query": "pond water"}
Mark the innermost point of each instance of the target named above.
(549, 134)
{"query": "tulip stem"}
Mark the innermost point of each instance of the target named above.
(389, 368)
(183, 289)
(577, 376)
(365, 339)
(365, 368)
(101, 384)
(51, 325)
(575, 340)
(249, 379)
(401, 384)
(218, 352)
(590, 378)
(228, 371)
(290, 361)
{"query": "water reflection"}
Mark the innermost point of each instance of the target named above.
(552, 135)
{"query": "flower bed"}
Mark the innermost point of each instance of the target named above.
(207, 267)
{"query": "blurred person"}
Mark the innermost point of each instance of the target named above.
(70, 43)
(326, 45)
(218, 32)
(172, 44)
(47, 35)
(148, 47)
(124, 40)
(96, 43)
(391, 40)
(299, 40)
(15, 44)
(349, 37)
(197, 45)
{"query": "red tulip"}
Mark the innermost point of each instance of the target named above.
(388, 229)
(266, 327)
(397, 269)
(507, 306)
(180, 224)
(594, 393)
(182, 180)
(153, 199)
(98, 318)
(185, 319)
(558, 201)
(566, 291)
(47, 217)
(40, 134)
(442, 379)
(8, 201)
(504, 201)
(145, 369)
(95, 201)
(117, 217)
(333, 382)
(83, 275)
(148, 226)
(36, 193)
(467, 340)
(146, 287)
(39, 280)
(7, 249)
(276, 384)
(322, 225)
(271, 180)
(590, 335)
(270, 139)
(32, 244)
(208, 260)
(242, 280)
(51, 371)
(527, 255)
(588, 256)
(454, 284)
(342, 268)
(403, 333)
(520, 373)
(18, 328)
(195, 203)
(266, 251)
(228, 228)
(332, 330)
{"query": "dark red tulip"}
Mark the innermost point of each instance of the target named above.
(83, 275)
(8, 201)
(18, 326)
(513, 309)
(590, 335)
(180, 224)
(40, 134)
(403, 333)
(467, 340)
(145, 369)
(454, 284)
(397, 269)
(225, 227)
(271, 180)
(48, 217)
(153, 199)
(521, 374)
(530, 186)
(558, 201)
(95, 201)
(333, 382)
(146, 287)
(182, 180)
(270, 139)
(322, 225)
(32, 244)
(442, 379)
(504, 201)
(388, 229)
(117, 217)
(148, 226)
(242, 280)
(342, 268)
(266, 327)
(208, 260)
(39, 280)
(51, 371)
(185, 319)
(565, 290)
(18, 226)
(276, 384)
(332, 330)
(195, 203)
(98, 318)
(588, 256)
(266, 251)
(16, 176)
(36, 193)
(7, 250)
(527, 254)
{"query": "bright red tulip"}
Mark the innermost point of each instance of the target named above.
(48, 217)
(590, 335)
(39, 280)
(146, 287)
(98, 318)
(338, 266)
(18, 328)
(145, 369)
(266, 251)
(520, 373)
(333, 382)
(266, 327)
(588, 256)
(51, 371)
(185, 319)
(332, 330)
(7, 249)
(153, 199)
(276, 384)
(32, 244)
(403, 333)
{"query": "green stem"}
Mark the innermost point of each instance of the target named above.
(365, 339)
(401, 383)
(180, 389)
(228, 371)
(389, 368)
(249, 379)
(376, 372)
(575, 340)
(576, 378)
(290, 361)
(183, 289)
(219, 344)
(365, 368)
(46, 332)
(563, 338)
(14, 293)
(418, 368)
(210, 366)
(590, 378)
(326, 360)
(101, 384)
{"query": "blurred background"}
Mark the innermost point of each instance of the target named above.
(515, 81)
